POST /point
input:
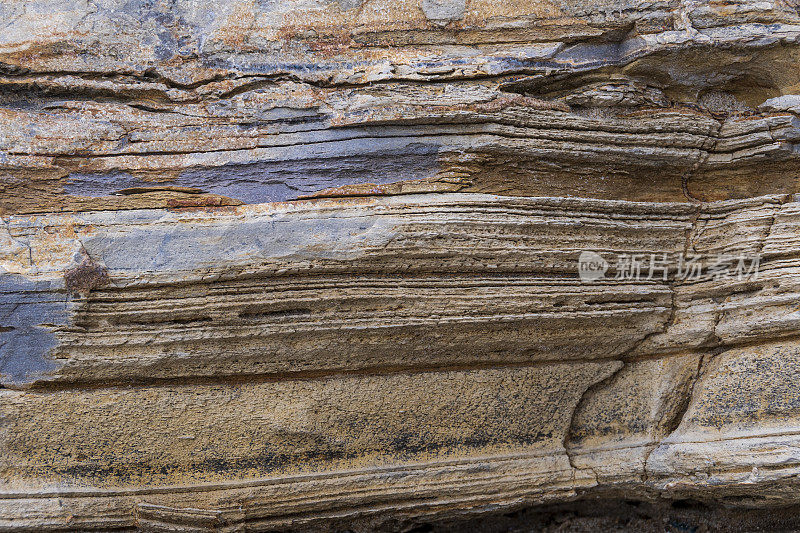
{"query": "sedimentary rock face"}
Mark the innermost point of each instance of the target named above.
(365, 263)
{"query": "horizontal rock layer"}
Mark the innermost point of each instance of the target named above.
(269, 265)
(257, 103)
(413, 334)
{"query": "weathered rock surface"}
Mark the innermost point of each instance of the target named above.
(314, 264)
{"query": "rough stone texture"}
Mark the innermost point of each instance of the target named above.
(312, 264)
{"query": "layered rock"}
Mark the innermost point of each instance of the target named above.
(271, 264)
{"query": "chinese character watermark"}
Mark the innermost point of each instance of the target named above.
(663, 266)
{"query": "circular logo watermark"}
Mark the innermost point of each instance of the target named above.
(591, 266)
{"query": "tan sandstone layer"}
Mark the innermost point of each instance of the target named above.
(314, 264)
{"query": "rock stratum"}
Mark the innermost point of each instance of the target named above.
(314, 264)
